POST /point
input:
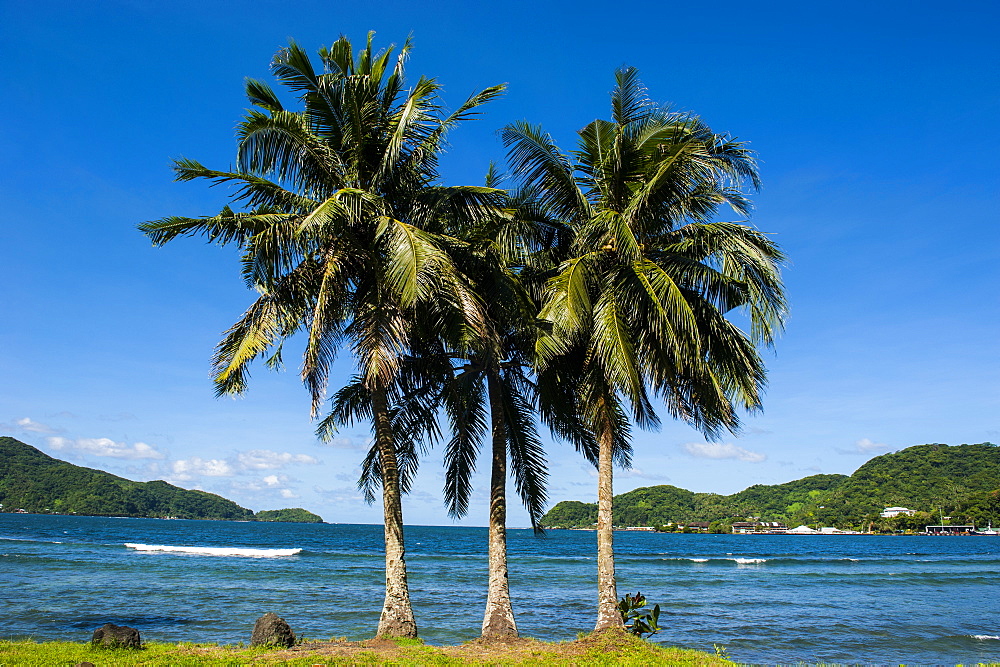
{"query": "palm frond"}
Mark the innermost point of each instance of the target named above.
(568, 303)
(266, 321)
(225, 228)
(262, 95)
(325, 331)
(539, 164)
(281, 144)
(465, 403)
(628, 100)
(292, 67)
(527, 454)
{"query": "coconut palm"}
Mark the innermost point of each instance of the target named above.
(489, 391)
(641, 298)
(339, 196)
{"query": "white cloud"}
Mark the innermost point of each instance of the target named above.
(287, 493)
(269, 484)
(719, 450)
(243, 463)
(106, 447)
(864, 445)
(28, 424)
(265, 459)
(186, 469)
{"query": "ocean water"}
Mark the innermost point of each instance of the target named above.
(767, 599)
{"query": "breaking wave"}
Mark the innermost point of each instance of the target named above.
(216, 551)
(738, 560)
(28, 539)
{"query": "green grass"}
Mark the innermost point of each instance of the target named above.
(590, 651)
(70, 653)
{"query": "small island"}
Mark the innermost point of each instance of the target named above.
(291, 515)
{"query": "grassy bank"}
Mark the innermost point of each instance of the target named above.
(591, 650)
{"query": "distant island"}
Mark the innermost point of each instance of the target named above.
(32, 481)
(291, 515)
(934, 483)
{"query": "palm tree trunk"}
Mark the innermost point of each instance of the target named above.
(607, 592)
(498, 621)
(397, 614)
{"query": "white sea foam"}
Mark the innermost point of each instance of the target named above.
(216, 551)
(698, 560)
(750, 561)
(28, 539)
(985, 637)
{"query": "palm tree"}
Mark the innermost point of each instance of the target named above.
(641, 298)
(339, 195)
(489, 389)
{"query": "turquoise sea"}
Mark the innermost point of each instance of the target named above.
(767, 599)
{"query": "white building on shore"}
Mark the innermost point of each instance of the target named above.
(890, 512)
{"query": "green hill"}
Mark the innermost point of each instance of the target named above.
(789, 501)
(37, 483)
(962, 481)
(292, 515)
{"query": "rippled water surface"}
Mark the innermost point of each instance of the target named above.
(853, 599)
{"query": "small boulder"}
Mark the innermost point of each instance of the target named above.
(271, 630)
(116, 636)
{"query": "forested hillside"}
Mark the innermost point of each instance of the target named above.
(931, 478)
(961, 481)
(35, 482)
(291, 515)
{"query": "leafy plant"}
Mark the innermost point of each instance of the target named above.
(637, 619)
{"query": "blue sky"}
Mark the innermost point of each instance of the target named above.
(875, 124)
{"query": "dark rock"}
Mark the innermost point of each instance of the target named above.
(116, 636)
(271, 630)
(84, 664)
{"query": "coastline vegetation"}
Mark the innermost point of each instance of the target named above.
(34, 482)
(594, 649)
(290, 515)
(959, 482)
